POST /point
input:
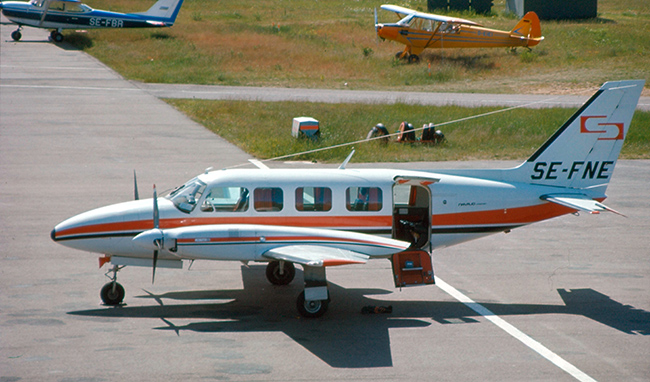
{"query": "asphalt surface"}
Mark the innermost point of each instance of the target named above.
(71, 133)
(216, 92)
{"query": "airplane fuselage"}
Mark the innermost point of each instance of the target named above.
(457, 208)
(462, 36)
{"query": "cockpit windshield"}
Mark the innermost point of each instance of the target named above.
(186, 196)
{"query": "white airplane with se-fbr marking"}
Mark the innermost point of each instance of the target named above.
(318, 218)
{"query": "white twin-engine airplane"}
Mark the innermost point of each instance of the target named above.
(326, 217)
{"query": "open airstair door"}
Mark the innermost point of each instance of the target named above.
(412, 210)
(412, 223)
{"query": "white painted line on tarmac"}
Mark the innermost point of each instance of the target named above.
(516, 333)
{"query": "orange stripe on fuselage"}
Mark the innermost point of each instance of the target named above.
(519, 215)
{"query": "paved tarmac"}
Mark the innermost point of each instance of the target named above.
(217, 92)
(573, 290)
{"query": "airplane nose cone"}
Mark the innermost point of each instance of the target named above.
(152, 239)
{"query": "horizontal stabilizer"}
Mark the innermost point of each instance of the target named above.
(579, 202)
(316, 255)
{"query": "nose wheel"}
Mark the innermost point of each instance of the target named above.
(16, 35)
(112, 293)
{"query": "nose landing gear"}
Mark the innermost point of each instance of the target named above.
(16, 35)
(112, 293)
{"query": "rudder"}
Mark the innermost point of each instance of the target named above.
(530, 28)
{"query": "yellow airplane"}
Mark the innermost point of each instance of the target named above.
(418, 31)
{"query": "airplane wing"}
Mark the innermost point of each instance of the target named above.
(444, 19)
(429, 16)
(397, 9)
(579, 202)
(316, 255)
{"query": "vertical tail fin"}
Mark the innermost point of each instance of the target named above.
(164, 10)
(528, 27)
(583, 152)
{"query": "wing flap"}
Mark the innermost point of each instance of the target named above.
(316, 255)
(579, 202)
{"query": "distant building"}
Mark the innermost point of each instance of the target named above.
(478, 6)
(555, 9)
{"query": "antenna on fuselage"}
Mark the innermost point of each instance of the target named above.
(345, 162)
(136, 195)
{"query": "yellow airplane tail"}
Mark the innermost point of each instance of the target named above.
(529, 28)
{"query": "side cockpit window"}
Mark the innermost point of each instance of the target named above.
(186, 196)
(226, 199)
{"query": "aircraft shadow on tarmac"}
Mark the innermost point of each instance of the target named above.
(344, 337)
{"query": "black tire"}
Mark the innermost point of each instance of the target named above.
(110, 297)
(58, 37)
(414, 59)
(16, 35)
(311, 309)
(275, 277)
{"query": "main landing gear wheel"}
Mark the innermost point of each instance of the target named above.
(280, 272)
(414, 59)
(16, 35)
(112, 293)
(56, 36)
(311, 309)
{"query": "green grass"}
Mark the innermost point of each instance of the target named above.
(324, 44)
(263, 129)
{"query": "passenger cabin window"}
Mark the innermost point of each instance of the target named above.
(268, 199)
(363, 199)
(226, 199)
(313, 199)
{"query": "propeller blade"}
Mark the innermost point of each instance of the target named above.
(136, 194)
(156, 218)
(156, 224)
(155, 260)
